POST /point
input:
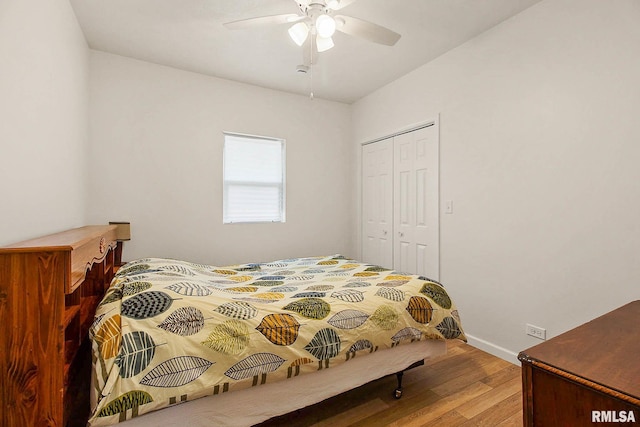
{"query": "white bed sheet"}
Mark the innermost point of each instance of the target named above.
(248, 407)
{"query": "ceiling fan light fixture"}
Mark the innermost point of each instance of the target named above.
(299, 33)
(333, 4)
(324, 43)
(325, 26)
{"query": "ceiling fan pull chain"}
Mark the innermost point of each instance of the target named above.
(311, 77)
(311, 70)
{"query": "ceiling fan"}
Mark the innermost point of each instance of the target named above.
(318, 18)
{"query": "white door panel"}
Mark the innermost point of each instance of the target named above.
(404, 256)
(377, 193)
(416, 197)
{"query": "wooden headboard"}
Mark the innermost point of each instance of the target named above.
(49, 290)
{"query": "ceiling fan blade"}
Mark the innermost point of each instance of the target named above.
(263, 20)
(366, 30)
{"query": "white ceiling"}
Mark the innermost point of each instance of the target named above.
(188, 34)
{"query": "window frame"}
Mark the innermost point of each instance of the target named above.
(281, 186)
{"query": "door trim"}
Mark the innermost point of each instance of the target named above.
(403, 131)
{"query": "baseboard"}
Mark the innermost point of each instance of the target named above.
(491, 348)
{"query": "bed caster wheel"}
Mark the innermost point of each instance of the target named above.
(397, 393)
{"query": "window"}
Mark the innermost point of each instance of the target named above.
(253, 176)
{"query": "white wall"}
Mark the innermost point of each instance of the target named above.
(156, 156)
(540, 152)
(43, 118)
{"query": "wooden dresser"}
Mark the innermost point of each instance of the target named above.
(49, 290)
(594, 367)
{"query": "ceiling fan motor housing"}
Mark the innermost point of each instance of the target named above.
(313, 9)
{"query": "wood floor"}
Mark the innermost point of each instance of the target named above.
(467, 387)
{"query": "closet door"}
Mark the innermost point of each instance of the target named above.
(416, 203)
(377, 199)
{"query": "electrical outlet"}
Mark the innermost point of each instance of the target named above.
(536, 331)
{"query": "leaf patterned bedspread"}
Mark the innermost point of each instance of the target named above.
(168, 331)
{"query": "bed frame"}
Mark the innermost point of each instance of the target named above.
(49, 290)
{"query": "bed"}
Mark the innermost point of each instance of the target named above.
(282, 335)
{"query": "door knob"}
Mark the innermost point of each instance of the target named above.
(384, 232)
(401, 234)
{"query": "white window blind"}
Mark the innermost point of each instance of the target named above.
(253, 179)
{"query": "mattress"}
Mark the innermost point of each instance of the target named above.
(171, 331)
